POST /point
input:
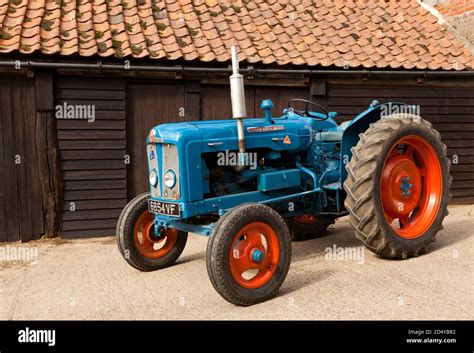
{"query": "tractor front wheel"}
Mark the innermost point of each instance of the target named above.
(398, 186)
(137, 241)
(249, 254)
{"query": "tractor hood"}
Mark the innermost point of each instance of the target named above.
(172, 133)
(217, 135)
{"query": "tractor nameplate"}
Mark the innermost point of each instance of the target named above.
(266, 128)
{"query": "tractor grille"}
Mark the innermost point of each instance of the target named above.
(170, 162)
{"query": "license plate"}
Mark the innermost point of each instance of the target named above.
(166, 208)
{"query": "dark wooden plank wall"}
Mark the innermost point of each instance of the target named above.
(216, 102)
(450, 107)
(21, 210)
(92, 156)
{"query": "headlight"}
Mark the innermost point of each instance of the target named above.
(153, 177)
(169, 179)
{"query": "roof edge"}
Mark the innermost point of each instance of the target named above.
(181, 69)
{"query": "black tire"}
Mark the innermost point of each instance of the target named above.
(117, 238)
(220, 244)
(364, 201)
(305, 231)
(126, 240)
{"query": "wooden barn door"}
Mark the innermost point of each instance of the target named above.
(21, 212)
(92, 154)
(148, 105)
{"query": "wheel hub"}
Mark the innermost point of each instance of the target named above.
(411, 186)
(254, 255)
(147, 242)
(156, 236)
(401, 186)
(257, 255)
(406, 186)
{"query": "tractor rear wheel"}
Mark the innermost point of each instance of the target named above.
(138, 244)
(249, 254)
(308, 226)
(398, 186)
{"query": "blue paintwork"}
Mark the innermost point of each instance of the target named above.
(277, 180)
(357, 126)
(406, 186)
(306, 185)
(267, 106)
(257, 256)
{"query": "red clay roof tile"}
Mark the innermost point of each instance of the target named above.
(302, 32)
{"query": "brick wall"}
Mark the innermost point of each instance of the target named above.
(460, 15)
(452, 8)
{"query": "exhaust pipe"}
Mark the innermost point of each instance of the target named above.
(237, 96)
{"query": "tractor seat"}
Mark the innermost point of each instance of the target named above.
(329, 136)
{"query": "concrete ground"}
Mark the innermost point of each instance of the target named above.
(88, 279)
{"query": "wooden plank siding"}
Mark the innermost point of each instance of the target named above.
(21, 209)
(92, 156)
(216, 103)
(449, 107)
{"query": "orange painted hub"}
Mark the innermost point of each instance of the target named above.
(411, 186)
(254, 255)
(147, 243)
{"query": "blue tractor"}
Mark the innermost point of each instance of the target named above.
(254, 185)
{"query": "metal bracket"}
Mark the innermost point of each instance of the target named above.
(251, 73)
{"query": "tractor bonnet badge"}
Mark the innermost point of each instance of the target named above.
(287, 140)
(266, 128)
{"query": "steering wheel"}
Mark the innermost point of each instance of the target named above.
(306, 112)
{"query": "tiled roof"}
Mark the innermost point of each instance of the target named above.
(372, 34)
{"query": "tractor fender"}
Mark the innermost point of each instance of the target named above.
(358, 125)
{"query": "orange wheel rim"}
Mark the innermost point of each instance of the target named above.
(411, 186)
(254, 255)
(147, 243)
